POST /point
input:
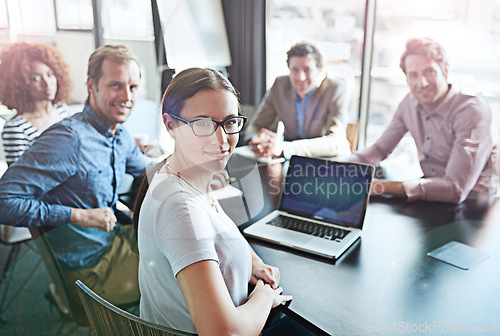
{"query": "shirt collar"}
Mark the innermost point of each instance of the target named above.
(319, 80)
(297, 98)
(98, 123)
(442, 108)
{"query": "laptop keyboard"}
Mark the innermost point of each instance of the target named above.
(311, 228)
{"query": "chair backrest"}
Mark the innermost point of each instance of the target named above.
(12, 235)
(352, 133)
(9, 234)
(57, 275)
(107, 319)
(3, 162)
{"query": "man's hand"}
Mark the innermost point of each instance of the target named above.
(266, 144)
(102, 218)
(384, 187)
(220, 180)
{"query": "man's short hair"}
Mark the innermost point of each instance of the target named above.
(302, 49)
(426, 47)
(117, 53)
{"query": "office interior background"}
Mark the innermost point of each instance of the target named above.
(361, 41)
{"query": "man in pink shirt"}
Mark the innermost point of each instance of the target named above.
(453, 133)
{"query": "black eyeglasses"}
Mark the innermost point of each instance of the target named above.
(204, 127)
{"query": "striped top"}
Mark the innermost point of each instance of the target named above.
(18, 135)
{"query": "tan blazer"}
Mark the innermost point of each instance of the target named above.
(325, 114)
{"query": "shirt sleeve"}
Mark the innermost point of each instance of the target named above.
(14, 142)
(184, 236)
(384, 145)
(266, 116)
(137, 162)
(471, 150)
(52, 159)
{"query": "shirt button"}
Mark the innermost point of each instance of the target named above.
(427, 118)
(427, 156)
(428, 138)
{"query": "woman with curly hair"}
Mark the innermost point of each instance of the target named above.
(34, 81)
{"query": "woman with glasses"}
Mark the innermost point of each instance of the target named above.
(195, 266)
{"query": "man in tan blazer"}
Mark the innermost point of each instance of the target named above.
(311, 106)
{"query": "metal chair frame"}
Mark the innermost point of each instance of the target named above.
(107, 319)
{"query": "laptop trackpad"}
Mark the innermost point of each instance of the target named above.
(291, 238)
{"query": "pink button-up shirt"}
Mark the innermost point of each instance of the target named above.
(456, 147)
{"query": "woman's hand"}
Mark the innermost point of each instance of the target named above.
(268, 274)
(278, 298)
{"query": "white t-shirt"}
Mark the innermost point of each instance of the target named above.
(178, 227)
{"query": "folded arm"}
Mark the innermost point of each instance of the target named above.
(261, 271)
(212, 309)
(49, 163)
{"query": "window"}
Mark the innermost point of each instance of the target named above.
(36, 17)
(194, 33)
(3, 15)
(334, 26)
(74, 14)
(127, 19)
(468, 30)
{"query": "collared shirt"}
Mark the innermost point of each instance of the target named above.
(76, 163)
(456, 147)
(300, 112)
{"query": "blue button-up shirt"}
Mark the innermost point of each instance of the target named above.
(76, 163)
(300, 112)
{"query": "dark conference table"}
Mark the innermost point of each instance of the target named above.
(386, 284)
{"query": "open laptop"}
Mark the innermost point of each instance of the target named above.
(322, 207)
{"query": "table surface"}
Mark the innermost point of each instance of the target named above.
(386, 284)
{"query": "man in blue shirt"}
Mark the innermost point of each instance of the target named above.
(311, 106)
(70, 176)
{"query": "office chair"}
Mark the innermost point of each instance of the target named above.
(50, 261)
(9, 235)
(15, 239)
(8, 295)
(107, 319)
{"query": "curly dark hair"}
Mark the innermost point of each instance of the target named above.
(15, 71)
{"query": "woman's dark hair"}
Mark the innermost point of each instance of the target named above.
(182, 87)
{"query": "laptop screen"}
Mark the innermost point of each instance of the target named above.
(334, 192)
